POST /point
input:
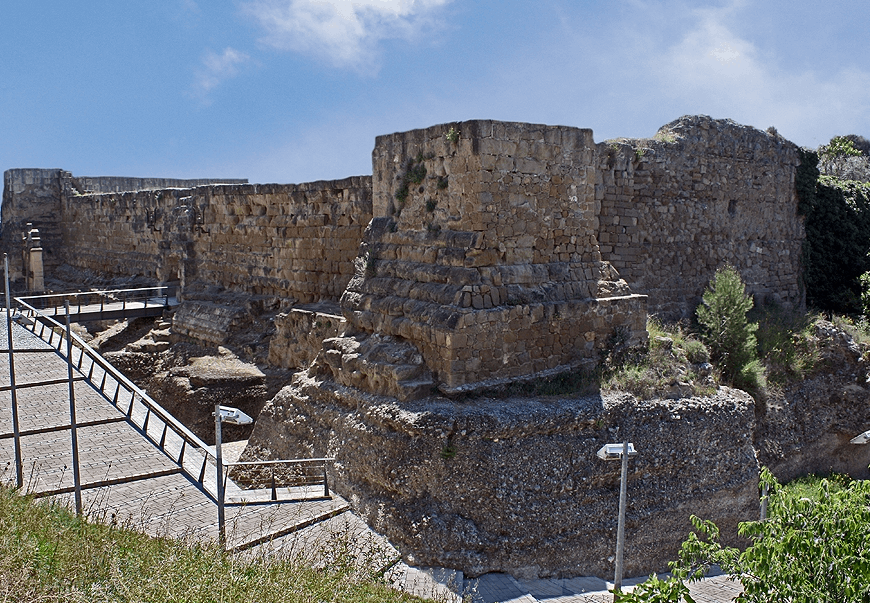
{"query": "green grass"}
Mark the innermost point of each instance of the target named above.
(812, 486)
(48, 554)
(673, 358)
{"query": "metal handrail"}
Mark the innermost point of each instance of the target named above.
(96, 292)
(280, 462)
(141, 294)
(47, 333)
(309, 480)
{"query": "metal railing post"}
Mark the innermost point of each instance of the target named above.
(72, 415)
(19, 469)
(222, 534)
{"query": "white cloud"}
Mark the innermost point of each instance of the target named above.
(343, 32)
(713, 70)
(218, 67)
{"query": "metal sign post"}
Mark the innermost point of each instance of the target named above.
(222, 533)
(620, 530)
(16, 434)
(72, 415)
(236, 417)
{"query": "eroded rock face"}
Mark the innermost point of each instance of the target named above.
(806, 428)
(515, 485)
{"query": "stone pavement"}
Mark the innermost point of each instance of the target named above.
(141, 486)
(449, 585)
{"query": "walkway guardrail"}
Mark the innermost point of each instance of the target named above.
(105, 304)
(301, 474)
(165, 431)
(151, 419)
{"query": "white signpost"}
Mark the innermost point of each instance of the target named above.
(616, 452)
(233, 416)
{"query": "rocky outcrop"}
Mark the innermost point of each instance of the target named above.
(806, 428)
(515, 485)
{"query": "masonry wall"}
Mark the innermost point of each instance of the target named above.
(31, 195)
(704, 193)
(296, 242)
(35, 196)
(484, 254)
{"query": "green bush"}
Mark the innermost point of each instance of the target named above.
(727, 332)
(840, 146)
(813, 547)
(786, 343)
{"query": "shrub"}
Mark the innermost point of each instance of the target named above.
(811, 548)
(727, 332)
(786, 343)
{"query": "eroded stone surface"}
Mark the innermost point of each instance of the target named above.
(515, 485)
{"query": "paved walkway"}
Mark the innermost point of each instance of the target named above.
(126, 478)
(132, 482)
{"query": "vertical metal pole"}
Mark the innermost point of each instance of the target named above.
(19, 470)
(620, 530)
(72, 414)
(222, 534)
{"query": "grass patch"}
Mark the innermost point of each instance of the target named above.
(47, 553)
(675, 361)
(786, 343)
(815, 487)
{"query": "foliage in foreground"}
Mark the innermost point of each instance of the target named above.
(813, 547)
(47, 554)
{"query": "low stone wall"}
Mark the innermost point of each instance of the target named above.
(702, 194)
(515, 485)
(300, 333)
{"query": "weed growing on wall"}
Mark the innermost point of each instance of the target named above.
(728, 333)
(415, 172)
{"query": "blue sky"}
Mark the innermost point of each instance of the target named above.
(296, 90)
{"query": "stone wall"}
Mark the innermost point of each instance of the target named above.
(35, 196)
(483, 253)
(703, 193)
(31, 195)
(296, 242)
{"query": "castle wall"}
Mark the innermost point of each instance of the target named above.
(31, 195)
(705, 193)
(296, 242)
(484, 253)
(35, 196)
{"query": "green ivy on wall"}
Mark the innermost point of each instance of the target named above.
(837, 224)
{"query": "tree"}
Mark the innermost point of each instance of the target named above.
(810, 549)
(726, 331)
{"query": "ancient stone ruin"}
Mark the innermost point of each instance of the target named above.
(478, 254)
